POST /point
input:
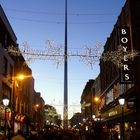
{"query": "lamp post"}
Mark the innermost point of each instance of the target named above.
(36, 107)
(121, 102)
(5, 103)
(65, 109)
(21, 77)
(97, 100)
(93, 117)
(18, 78)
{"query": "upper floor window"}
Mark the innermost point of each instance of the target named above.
(11, 72)
(5, 65)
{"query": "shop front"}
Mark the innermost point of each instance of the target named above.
(116, 120)
(21, 122)
(5, 118)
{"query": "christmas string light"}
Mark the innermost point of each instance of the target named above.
(89, 56)
(117, 56)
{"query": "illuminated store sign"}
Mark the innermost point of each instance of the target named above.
(126, 72)
(112, 113)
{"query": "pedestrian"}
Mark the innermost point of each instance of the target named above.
(115, 135)
(128, 134)
(76, 135)
(67, 135)
(19, 136)
(10, 135)
(33, 136)
(98, 132)
(2, 136)
(137, 133)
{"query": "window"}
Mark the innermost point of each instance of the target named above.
(5, 64)
(11, 72)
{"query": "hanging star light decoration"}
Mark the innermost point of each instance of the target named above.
(117, 56)
(89, 56)
(84, 105)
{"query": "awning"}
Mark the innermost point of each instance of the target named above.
(128, 117)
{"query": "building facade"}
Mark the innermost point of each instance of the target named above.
(19, 92)
(7, 38)
(119, 74)
(86, 100)
(121, 79)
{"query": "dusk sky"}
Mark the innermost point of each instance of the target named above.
(89, 22)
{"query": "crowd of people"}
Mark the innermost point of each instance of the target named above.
(95, 133)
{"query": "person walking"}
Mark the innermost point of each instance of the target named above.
(128, 135)
(19, 136)
(137, 134)
(2, 137)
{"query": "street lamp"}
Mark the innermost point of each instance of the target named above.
(21, 77)
(97, 100)
(122, 102)
(93, 116)
(36, 107)
(16, 80)
(5, 103)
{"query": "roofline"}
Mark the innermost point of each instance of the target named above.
(7, 24)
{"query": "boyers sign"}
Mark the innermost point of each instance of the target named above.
(126, 71)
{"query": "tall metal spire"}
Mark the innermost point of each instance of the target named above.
(65, 111)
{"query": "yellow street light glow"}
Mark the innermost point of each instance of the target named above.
(96, 99)
(37, 105)
(21, 77)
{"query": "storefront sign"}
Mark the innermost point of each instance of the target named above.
(112, 113)
(109, 96)
(130, 104)
(126, 74)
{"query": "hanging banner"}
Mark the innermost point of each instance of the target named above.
(126, 70)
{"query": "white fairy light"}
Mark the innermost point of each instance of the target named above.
(89, 56)
(117, 56)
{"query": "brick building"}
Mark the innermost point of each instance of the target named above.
(20, 93)
(114, 80)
